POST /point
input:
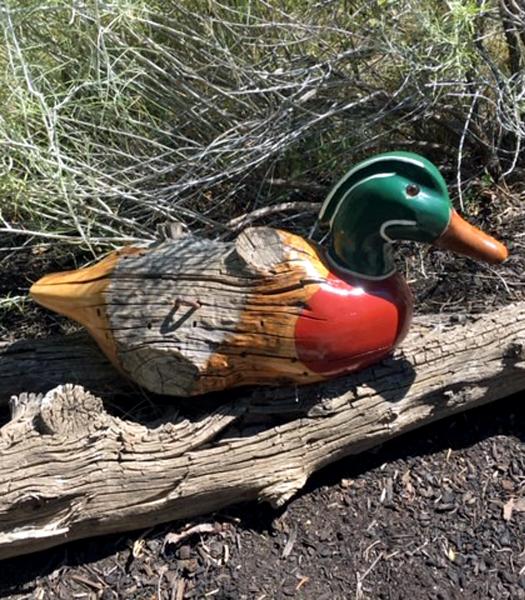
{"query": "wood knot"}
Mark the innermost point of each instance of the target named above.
(68, 409)
(515, 351)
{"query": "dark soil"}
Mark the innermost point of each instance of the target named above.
(438, 513)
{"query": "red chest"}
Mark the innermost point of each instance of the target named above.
(351, 323)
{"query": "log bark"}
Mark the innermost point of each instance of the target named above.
(71, 470)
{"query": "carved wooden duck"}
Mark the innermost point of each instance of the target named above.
(190, 315)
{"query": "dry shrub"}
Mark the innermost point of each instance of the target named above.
(118, 115)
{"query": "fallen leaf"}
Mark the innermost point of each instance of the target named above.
(508, 507)
(519, 504)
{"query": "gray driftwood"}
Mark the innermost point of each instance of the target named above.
(70, 470)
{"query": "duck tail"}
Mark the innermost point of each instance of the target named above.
(79, 295)
(71, 293)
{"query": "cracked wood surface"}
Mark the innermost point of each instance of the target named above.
(70, 470)
(190, 316)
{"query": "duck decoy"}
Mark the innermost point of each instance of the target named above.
(190, 315)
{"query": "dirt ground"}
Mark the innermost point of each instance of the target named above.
(438, 513)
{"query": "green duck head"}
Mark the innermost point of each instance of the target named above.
(396, 196)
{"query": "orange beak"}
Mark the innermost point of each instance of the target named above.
(464, 238)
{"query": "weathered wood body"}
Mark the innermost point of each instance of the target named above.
(190, 315)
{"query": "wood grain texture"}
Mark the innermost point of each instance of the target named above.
(190, 315)
(197, 315)
(71, 470)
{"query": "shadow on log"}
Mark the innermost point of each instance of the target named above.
(39, 365)
(70, 470)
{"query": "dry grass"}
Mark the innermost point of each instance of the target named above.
(118, 115)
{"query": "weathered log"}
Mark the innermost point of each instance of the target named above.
(70, 470)
(41, 364)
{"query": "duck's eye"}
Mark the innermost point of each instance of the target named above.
(412, 189)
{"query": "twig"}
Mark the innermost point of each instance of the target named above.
(244, 220)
